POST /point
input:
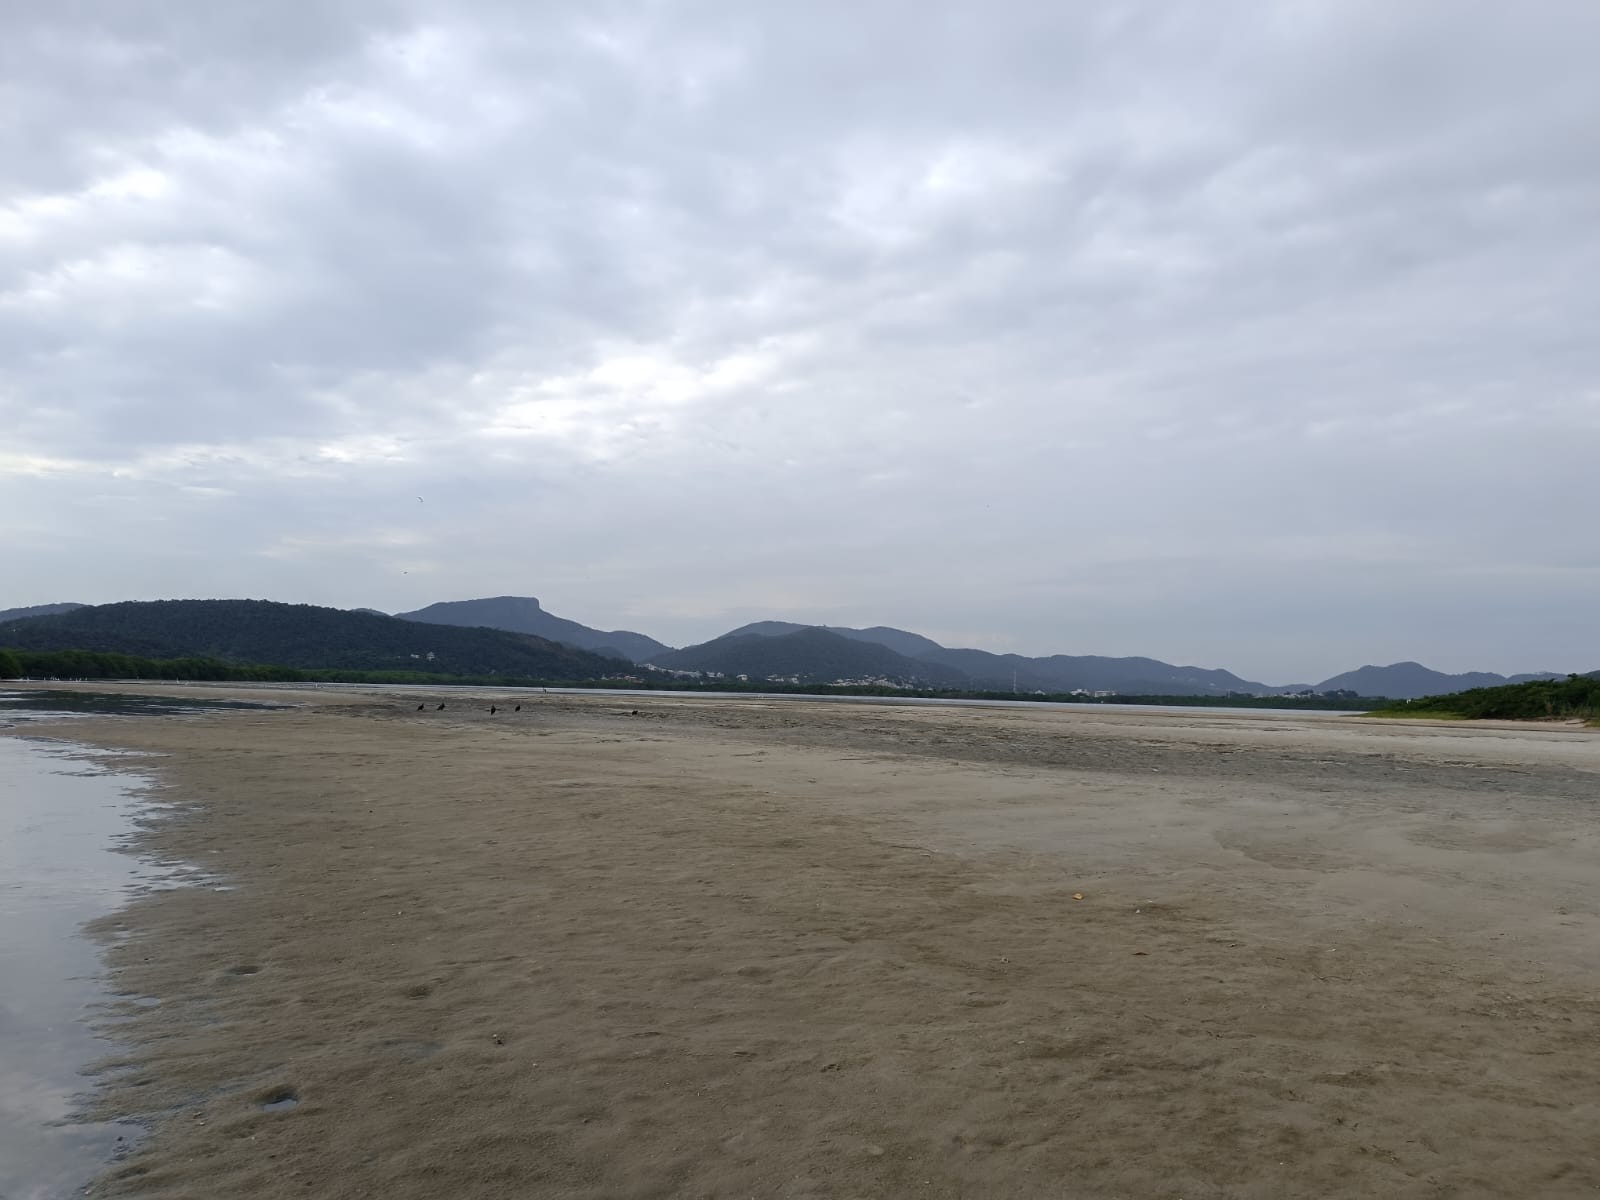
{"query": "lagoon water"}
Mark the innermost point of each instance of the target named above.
(61, 817)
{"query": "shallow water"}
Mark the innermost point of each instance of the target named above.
(23, 707)
(958, 702)
(445, 689)
(61, 816)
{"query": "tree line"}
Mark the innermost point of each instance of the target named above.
(1575, 697)
(96, 664)
(19, 663)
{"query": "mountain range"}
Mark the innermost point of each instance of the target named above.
(809, 655)
(301, 635)
(922, 660)
(1408, 680)
(760, 650)
(522, 614)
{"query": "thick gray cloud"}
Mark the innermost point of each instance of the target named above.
(1240, 334)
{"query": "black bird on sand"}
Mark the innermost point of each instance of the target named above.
(493, 710)
(518, 708)
(420, 707)
(440, 708)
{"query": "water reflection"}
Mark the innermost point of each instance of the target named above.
(51, 704)
(60, 817)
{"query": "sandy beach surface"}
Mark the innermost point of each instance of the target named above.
(627, 948)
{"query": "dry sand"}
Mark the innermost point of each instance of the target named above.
(736, 949)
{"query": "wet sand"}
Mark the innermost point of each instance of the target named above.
(60, 817)
(733, 949)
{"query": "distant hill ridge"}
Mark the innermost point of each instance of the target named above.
(808, 655)
(912, 645)
(37, 610)
(1409, 680)
(1140, 676)
(1055, 673)
(920, 659)
(523, 614)
(303, 636)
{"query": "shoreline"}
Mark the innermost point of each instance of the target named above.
(888, 699)
(63, 813)
(741, 949)
(266, 692)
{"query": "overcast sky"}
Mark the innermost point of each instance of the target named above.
(1263, 336)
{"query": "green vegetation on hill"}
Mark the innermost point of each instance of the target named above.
(808, 655)
(86, 664)
(36, 610)
(926, 659)
(522, 614)
(301, 636)
(1409, 680)
(1576, 696)
(89, 664)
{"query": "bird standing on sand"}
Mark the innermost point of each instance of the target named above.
(518, 708)
(420, 707)
(440, 708)
(492, 710)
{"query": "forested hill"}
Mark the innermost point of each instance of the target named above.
(523, 614)
(1056, 673)
(36, 610)
(302, 635)
(1405, 680)
(912, 645)
(808, 655)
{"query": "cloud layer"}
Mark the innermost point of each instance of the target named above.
(1256, 336)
